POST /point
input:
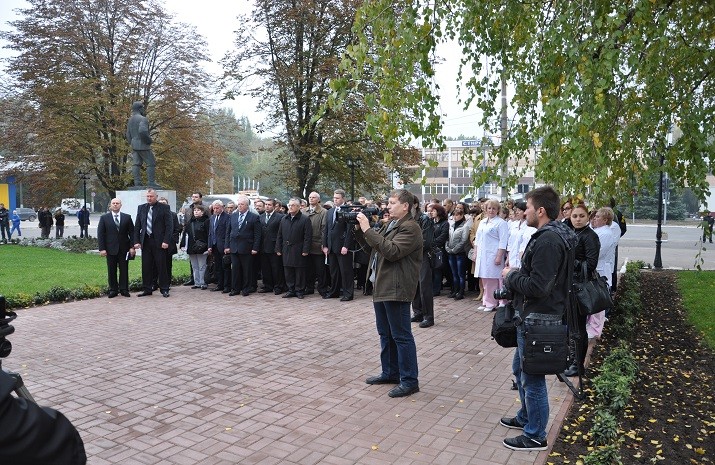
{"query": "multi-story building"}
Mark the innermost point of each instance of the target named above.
(453, 175)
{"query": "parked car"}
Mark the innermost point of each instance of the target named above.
(26, 214)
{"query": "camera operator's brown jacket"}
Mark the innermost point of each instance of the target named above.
(399, 257)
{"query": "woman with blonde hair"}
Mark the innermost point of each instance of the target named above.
(601, 224)
(490, 257)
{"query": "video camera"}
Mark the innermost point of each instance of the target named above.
(503, 294)
(6, 328)
(348, 213)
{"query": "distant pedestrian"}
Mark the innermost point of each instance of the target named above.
(15, 224)
(83, 220)
(59, 224)
(707, 225)
(5, 223)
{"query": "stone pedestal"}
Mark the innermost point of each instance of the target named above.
(131, 199)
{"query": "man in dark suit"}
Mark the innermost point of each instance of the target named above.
(243, 241)
(152, 234)
(115, 232)
(293, 245)
(217, 242)
(173, 249)
(271, 266)
(337, 242)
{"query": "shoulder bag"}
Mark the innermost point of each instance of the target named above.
(199, 246)
(592, 295)
(546, 345)
(436, 258)
(504, 326)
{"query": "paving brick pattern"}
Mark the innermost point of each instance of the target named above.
(203, 378)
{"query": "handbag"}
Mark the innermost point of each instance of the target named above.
(592, 295)
(503, 325)
(545, 348)
(199, 246)
(210, 272)
(436, 258)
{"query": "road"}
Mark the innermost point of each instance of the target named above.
(679, 251)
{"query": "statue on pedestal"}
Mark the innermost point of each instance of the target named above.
(140, 140)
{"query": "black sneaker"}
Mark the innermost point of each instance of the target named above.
(511, 422)
(524, 443)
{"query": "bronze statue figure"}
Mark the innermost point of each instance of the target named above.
(140, 140)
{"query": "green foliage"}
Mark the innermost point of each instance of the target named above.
(592, 82)
(79, 244)
(604, 429)
(58, 294)
(612, 390)
(19, 300)
(697, 289)
(605, 455)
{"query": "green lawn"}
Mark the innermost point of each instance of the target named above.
(698, 290)
(33, 269)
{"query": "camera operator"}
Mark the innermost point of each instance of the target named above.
(540, 286)
(394, 271)
(30, 434)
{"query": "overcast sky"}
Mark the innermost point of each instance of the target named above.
(216, 19)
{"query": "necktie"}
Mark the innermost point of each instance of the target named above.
(240, 221)
(116, 221)
(215, 223)
(268, 218)
(149, 219)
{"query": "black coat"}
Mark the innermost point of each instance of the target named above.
(245, 238)
(197, 229)
(294, 237)
(217, 235)
(587, 249)
(337, 234)
(441, 234)
(113, 241)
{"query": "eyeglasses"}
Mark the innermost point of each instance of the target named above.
(566, 208)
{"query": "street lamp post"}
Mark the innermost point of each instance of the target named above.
(351, 165)
(657, 261)
(84, 177)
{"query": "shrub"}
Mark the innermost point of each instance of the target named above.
(19, 300)
(86, 292)
(58, 294)
(605, 428)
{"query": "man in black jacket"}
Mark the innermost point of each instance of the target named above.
(242, 241)
(541, 290)
(153, 234)
(338, 240)
(217, 235)
(423, 303)
(114, 236)
(271, 264)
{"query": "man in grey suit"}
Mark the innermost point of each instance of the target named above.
(114, 234)
(243, 241)
(140, 140)
(152, 234)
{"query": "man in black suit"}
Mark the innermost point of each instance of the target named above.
(217, 242)
(271, 266)
(152, 234)
(337, 242)
(115, 232)
(243, 241)
(173, 249)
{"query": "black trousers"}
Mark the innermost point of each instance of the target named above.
(218, 267)
(295, 279)
(241, 269)
(341, 274)
(114, 263)
(272, 272)
(154, 258)
(423, 303)
(315, 270)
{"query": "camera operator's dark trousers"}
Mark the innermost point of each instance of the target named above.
(423, 303)
(341, 275)
(154, 258)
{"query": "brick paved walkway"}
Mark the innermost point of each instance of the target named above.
(202, 378)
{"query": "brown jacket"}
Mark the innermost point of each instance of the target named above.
(317, 221)
(399, 258)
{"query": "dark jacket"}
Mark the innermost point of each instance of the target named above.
(115, 242)
(197, 229)
(587, 250)
(175, 233)
(83, 217)
(162, 224)
(294, 238)
(59, 218)
(542, 284)
(269, 232)
(427, 227)
(337, 234)
(217, 233)
(398, 256)
(441, 234)
(243, 239)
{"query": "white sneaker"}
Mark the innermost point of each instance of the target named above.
(489, 309)
(481, 308)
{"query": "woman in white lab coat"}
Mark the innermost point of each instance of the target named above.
(491, 243)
